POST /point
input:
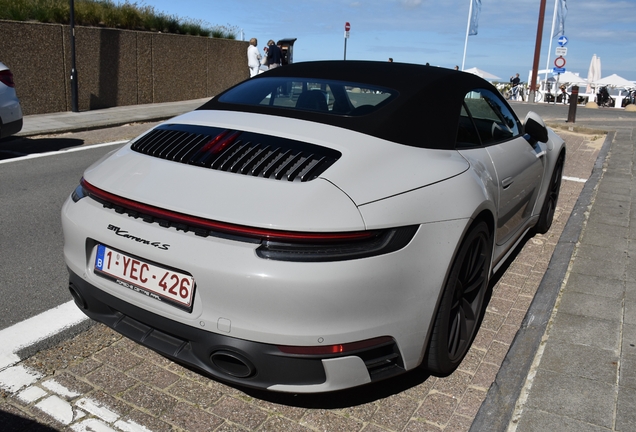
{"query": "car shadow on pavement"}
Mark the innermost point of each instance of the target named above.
(15, 423)
(14, 147)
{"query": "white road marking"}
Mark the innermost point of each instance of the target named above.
(59, 409)
(31, 394)
(91, 425)
(574, 179)
(55, 400)
(98, 410)
(58, 388)
(35, 329)
(17, 377)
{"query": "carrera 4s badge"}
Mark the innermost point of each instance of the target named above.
(125, 234)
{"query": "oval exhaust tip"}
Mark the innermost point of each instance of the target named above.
(77, 297)
(232, 364)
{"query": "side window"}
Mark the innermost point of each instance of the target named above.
(467, 135)
(491, 117)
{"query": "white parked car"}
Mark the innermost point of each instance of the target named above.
(320, 226)
(10, 110)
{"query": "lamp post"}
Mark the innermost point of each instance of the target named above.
(74, 104)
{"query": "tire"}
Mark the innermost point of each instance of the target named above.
(462, 306)
(551, 198)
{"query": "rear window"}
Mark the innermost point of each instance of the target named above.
(324, 96)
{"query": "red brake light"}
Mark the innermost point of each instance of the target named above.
(218, 143)
(335, 349)
(6, 77)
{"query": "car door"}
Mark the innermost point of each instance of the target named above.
(517, 165)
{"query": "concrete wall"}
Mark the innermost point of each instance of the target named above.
(115, 67)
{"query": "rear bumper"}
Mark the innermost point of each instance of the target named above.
(237, 361)
(11, 128)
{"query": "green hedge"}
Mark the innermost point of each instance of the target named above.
(106, 13)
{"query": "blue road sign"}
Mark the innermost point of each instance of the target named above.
(558, 70)
(563, 40)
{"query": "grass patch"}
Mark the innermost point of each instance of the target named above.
(107, 13)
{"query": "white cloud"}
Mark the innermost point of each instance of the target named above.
(411, 4)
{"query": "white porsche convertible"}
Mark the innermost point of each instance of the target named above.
(321, 226)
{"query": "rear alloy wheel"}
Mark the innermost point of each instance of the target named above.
(551, 198)
(462, 304)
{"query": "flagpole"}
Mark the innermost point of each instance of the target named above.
(470, 14)
(547, 64)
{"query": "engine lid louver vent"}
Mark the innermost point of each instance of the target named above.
(238, 152)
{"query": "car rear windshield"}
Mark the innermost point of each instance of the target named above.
(323, 96)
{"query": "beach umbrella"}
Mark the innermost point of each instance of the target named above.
(568, 77)
(482, 73)
(614, 81)
(594, 72)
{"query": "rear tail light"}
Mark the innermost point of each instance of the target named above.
(6, 77)
(377, 242)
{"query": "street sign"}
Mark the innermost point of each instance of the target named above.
(563, 40)
(559, 62)
(346, 36)
(558, 70)
(561, 51)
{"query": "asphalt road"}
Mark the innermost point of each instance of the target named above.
(33, 276)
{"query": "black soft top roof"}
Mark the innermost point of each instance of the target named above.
(424, 114)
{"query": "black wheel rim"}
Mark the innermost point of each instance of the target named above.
(468, 297)
(555, 187)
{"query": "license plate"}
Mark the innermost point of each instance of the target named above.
(160, 283)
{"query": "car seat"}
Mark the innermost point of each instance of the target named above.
(313, 100)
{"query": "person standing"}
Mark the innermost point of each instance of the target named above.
(515, 80)
(273, 55)
(253, 57)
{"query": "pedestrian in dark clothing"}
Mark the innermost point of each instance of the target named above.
(274, 55)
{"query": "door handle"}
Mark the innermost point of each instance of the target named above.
(505, 183)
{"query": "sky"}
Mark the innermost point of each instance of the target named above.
(431, 31)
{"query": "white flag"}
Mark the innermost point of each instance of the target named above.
(474, 18)
(562, 11)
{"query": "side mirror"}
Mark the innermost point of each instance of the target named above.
(535, 127)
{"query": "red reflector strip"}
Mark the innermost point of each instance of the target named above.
(335, 349)
(238, 230)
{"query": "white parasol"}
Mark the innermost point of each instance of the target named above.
(482, 73)
(614, 81)
(594, 73)
(568, 77)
